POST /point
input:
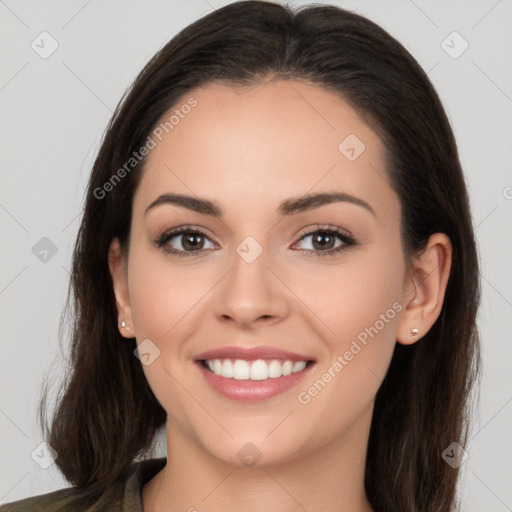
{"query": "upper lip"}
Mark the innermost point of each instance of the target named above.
(251, 354)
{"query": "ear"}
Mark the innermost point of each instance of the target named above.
(424, 289)
(119, 272)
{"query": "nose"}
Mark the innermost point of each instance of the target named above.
(251, 294)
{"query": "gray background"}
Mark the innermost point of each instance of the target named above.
(54, 111)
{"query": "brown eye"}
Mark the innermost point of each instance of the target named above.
(323, 241)
(182, 241)
(192, 241)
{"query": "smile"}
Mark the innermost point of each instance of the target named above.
(253, 373)
(259, 369)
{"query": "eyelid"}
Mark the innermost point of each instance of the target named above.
(323, 227)
(346, 238)
(167, 235)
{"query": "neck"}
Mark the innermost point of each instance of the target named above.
(329, 478)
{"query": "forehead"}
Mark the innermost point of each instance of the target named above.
(270, 141)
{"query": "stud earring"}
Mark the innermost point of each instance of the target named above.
(123, 324)
(414, 331)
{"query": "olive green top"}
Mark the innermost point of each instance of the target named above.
(131, 493)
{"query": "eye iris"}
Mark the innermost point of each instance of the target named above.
(187, 244)
(320, 236)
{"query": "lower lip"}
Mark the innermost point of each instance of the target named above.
(252, 390)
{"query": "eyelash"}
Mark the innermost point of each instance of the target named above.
(343, 236)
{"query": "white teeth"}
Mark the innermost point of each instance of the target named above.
(240, 370)
(274, 369)
(287, 368)
(254, 370)
(217, 366)
(259, 370)
(299, 366)
(227, 369)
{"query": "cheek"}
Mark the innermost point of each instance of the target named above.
(164, 300)
(162, 294)
(350, 297)
(358, 307)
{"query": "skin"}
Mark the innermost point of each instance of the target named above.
(248, 149)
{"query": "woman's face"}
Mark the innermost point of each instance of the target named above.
(262, 276)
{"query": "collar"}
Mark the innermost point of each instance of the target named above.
(141, 473)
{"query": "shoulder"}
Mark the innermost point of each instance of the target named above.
(124, 496)
(40, 503)
(70, 499)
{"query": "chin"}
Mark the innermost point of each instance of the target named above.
(255, 449)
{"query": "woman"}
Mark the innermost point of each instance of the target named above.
(276, 262)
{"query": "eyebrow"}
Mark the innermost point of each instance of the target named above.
(288, 207)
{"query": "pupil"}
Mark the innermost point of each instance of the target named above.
(190, 245)
(319, 237)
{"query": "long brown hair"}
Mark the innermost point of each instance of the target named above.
(107, 414)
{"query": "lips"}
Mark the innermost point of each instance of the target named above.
(252, 373)
(252, 354)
